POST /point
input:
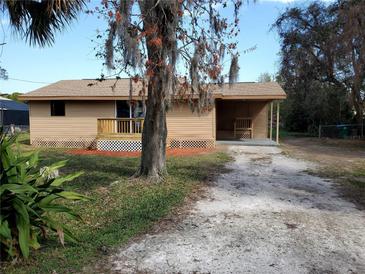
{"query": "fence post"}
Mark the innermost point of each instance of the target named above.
(319, 131)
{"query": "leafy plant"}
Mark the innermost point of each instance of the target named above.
(29, 196)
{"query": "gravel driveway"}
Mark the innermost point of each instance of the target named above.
(267, 215)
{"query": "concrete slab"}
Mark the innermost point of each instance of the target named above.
(248, 142)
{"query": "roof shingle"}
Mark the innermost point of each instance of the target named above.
(102, 89)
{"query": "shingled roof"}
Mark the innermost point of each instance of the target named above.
(88, 89)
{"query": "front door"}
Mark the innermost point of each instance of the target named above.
(126, 110)
(122, 109)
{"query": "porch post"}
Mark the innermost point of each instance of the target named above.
(277, 121)
(116, 126)
(271, 111)
(130, 117)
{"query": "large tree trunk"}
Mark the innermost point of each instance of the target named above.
(160, 18)
(153, 164)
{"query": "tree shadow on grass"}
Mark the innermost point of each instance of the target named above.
(101, 171)
(198, 168)
(98, 171)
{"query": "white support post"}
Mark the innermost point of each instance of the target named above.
(277, 121)
(130, 117)
(115, 116)
(271, 115)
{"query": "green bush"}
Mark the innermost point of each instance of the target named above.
(29, 199)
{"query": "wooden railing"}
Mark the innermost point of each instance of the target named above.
(120, 126)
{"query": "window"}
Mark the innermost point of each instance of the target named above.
(57, 108)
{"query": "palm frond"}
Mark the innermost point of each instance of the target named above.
(38, 21)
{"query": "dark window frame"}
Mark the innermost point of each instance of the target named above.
(58, 108)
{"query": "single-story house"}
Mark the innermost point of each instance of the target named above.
(13, 113)
(89, 113)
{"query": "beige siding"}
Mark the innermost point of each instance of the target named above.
(79, 120)
(183, 123)
(81, 116)
(260, 120)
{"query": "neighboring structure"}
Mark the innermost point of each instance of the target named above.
(88, 113)
(13, 113)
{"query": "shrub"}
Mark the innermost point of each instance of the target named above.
(29, 199)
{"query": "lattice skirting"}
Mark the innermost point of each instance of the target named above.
(136, 145)
(66, 142)
(192, 143)
(119, 145)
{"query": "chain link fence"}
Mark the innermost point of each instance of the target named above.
(12, 129)
(344, 131)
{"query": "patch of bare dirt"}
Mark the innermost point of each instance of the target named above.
(325, 150)
(343, 161)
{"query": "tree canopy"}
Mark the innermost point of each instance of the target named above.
(265, 77)
(175, 48)
(38, 21)
(323, 58)
(183, 40)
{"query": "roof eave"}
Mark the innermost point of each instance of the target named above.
(105, 98)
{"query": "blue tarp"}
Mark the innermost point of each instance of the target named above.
(12, 112)
(12, 105)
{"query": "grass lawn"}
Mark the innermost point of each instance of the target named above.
(120, 208)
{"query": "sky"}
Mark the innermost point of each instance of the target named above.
(72, 56)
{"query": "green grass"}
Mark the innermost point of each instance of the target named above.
(120, 208)
(350, 178)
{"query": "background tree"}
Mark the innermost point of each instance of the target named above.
(3, 74)
(175, 48)
(11, 96)
(265, 77)
(323, 61)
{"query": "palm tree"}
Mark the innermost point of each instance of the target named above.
(38, 21)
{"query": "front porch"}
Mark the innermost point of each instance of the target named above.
(125, 134)
(247, 121)
(119, 134)
(241, 122)
(120, 128)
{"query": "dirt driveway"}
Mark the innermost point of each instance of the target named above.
(267, 215)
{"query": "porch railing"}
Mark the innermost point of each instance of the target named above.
(120, 126)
